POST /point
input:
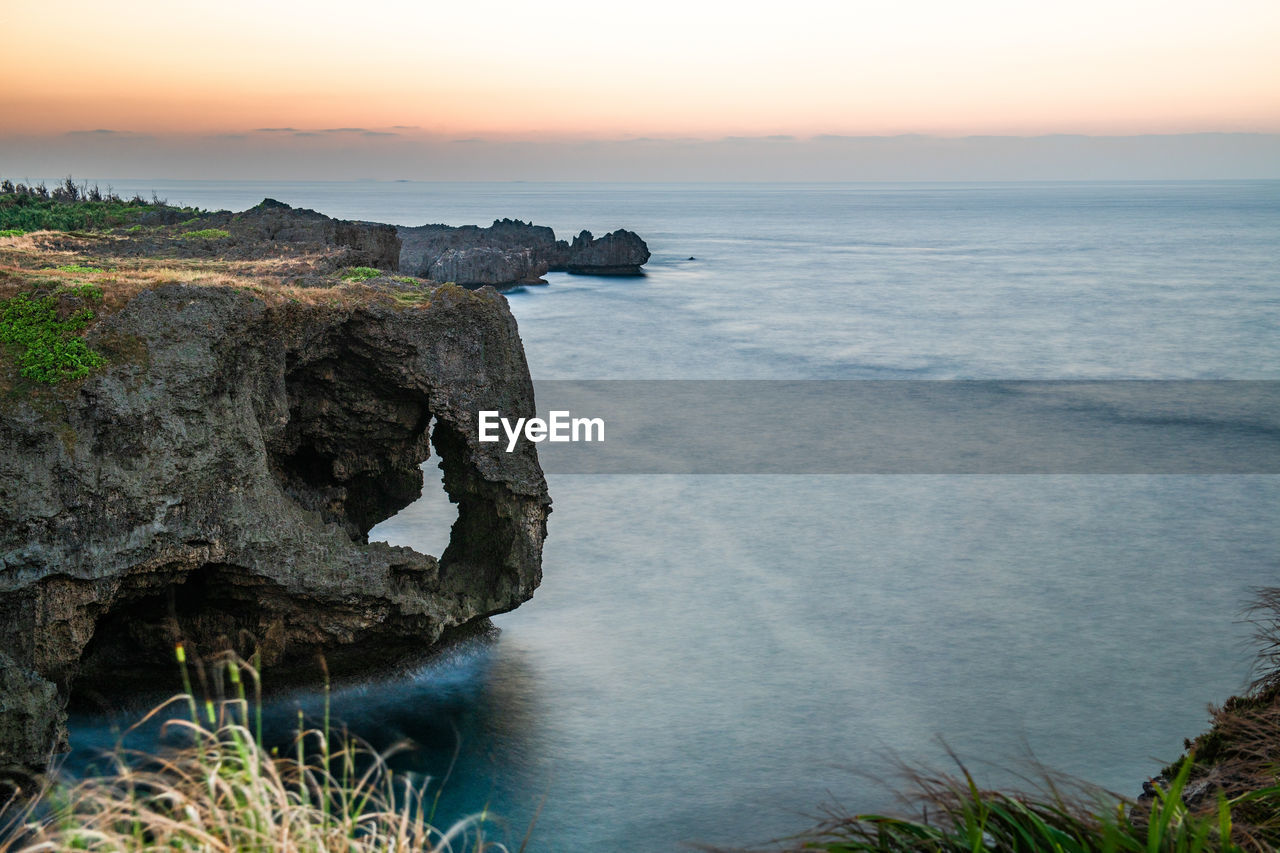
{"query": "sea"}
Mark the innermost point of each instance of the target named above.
(722, 658)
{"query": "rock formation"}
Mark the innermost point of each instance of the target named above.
(217, 480)
(30, 723)
(619, 253)
(513, 252)
(483, 265)
(507, 252)
(365, 244)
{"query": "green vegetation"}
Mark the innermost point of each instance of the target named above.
(27, 213)
(208, 234)
(419, 296)
(87, 291)
(79, 268)
(226, 791)
(360, 273)
(958, 816)
(68, 207)
(44, 335)
(414, 297)
(11, 232)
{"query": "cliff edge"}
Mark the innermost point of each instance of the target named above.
(215, 480)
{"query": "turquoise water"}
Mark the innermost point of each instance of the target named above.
(711, 658)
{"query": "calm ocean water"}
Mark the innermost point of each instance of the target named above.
(711, 658)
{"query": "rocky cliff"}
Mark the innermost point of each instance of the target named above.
(215, 482)
(364, 244)
(619, 253)
(484, 265)
(513, 252)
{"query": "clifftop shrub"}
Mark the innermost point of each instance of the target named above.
(46, 346)
(69, 207)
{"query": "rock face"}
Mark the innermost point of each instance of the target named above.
(507, 252)
(216, 484)
(484, 265)
(31, 722)
(539, 239)
(513, 252)
(619, 253)
(366, 244)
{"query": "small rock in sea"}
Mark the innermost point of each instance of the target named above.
(692, 258)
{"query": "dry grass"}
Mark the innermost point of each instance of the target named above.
(224, 791)
(21, 242)
(101, 272)
(1265, 616)
(32, 262)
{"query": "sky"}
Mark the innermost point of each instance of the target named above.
(390, 89)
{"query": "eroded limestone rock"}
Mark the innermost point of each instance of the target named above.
(619, 253)
(32, 724)
(511, 252)
(481, 266)
(364, 244)
(217, 482)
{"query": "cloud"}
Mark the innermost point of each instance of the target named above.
(103, 136)
(363, 131)
(406, 127)
(779, 137)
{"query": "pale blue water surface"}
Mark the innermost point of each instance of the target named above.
(711, 658)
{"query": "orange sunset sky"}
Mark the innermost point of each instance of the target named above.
(265, 76)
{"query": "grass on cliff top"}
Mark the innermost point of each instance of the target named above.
(360, 273)
(44, 311)
(207, 234)
(225, 791)
(40, 259)
(1223, 795)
